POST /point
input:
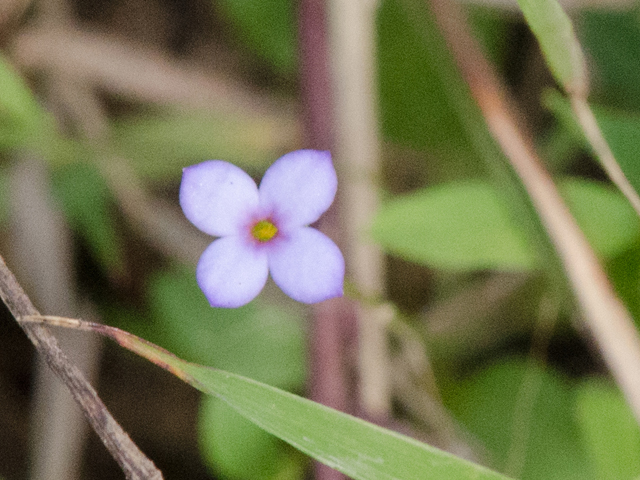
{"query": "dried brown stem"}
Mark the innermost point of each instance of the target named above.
(604, 314)
(132, 461)
(136, 72)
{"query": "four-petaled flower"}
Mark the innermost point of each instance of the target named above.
(264, 229)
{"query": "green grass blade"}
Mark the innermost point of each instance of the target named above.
(554, 31)
(357, 448)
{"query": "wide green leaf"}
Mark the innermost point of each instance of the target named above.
(462, 225)
(357, 448)
(267, 27)
(610, 432)
(604, 215)
(522, 414)
(468, 225)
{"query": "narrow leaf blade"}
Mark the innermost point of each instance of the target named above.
(357, 448)
(553, 29)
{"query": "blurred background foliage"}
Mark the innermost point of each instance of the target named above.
(464, 277)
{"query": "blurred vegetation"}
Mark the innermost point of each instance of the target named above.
(454, 231)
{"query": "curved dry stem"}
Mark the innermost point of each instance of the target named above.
(605, 315)
(132, 461)
(125, 69)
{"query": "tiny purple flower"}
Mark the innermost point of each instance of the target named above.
(264, 229)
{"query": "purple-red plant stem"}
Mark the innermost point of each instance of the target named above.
(315, 75)
(330, 328)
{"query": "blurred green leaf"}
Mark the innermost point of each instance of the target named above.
(624, 273)
(604, 215)
(259, 341)
(612, 41)
(610, 431)
(17, 103)
(4, 197)
(622, 132)
(12, 136)
(415, 108)
(62, 151)
(237, 449)
(560, 106)
(86, 202)
(159, 147)
(558, 42)
(492, 29)
(544, 442)
(461, 225)
(559, 149)
(268, 27)
(467, 226)
(23, 123)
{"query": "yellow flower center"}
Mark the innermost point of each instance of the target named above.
(264, 230)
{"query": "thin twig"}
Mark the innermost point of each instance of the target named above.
(40, 248)
(133, 462)
(594, 136)
(416, 388)
(605, 315)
